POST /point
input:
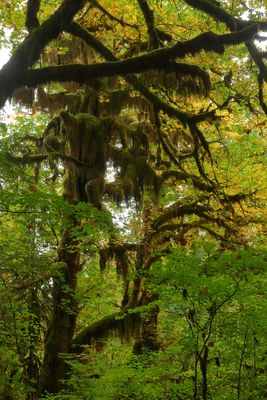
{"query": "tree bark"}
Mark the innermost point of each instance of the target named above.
(63, 321)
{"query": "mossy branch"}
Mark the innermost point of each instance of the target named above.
(184, 176)
(219, 14)
(214, 10)
(157, 59)
(178, 210)
(27, 158)
(76, 30)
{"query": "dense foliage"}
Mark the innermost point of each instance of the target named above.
(132, 200)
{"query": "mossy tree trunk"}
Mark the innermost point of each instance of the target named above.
(79, 135)
(63, 321)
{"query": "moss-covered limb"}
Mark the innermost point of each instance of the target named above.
(30, 49)
(177, 232)
(174, 227)
(178, 210)
(224, 198)
(31, 14)
(197, 148)
(149, 19)
(216, 235)
(232, 23)
(157, 59)
(122, 324)
(77, 30)
(236, 198)
(200, 212)
(27, 158)
(262, 26)
(213, 9)
(184, 176)
(166, 108)
(200, 141)
(163, 139)
(194, 71)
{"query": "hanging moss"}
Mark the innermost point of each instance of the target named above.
(140, 139)
(114, 191)
(94, 190)
(24, 96)
(113, 102)
(185, 80)
(54, 102)
(121, 262)
(123, 325)
(52, 143)
(88, 141)
(68, 50)
(103, 258)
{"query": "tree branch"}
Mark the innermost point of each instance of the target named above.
(233, 23)
(176, 211)
(184, 176)
(218, 13)
(76, 30)
(157, 59)
(31, 14)
(27, 158)
(149, 19)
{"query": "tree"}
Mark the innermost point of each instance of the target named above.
(103, 88)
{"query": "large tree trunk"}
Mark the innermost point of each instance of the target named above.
(63, 321)
(87, 143)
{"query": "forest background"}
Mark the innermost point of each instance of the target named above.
(133, 200)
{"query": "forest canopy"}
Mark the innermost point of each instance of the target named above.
(133, 200)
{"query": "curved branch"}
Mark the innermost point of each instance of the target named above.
(218, 13)
(178, 211)
(184, 176)
(174, 227)
(233, 23)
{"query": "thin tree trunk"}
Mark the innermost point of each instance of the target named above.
(203, 367)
